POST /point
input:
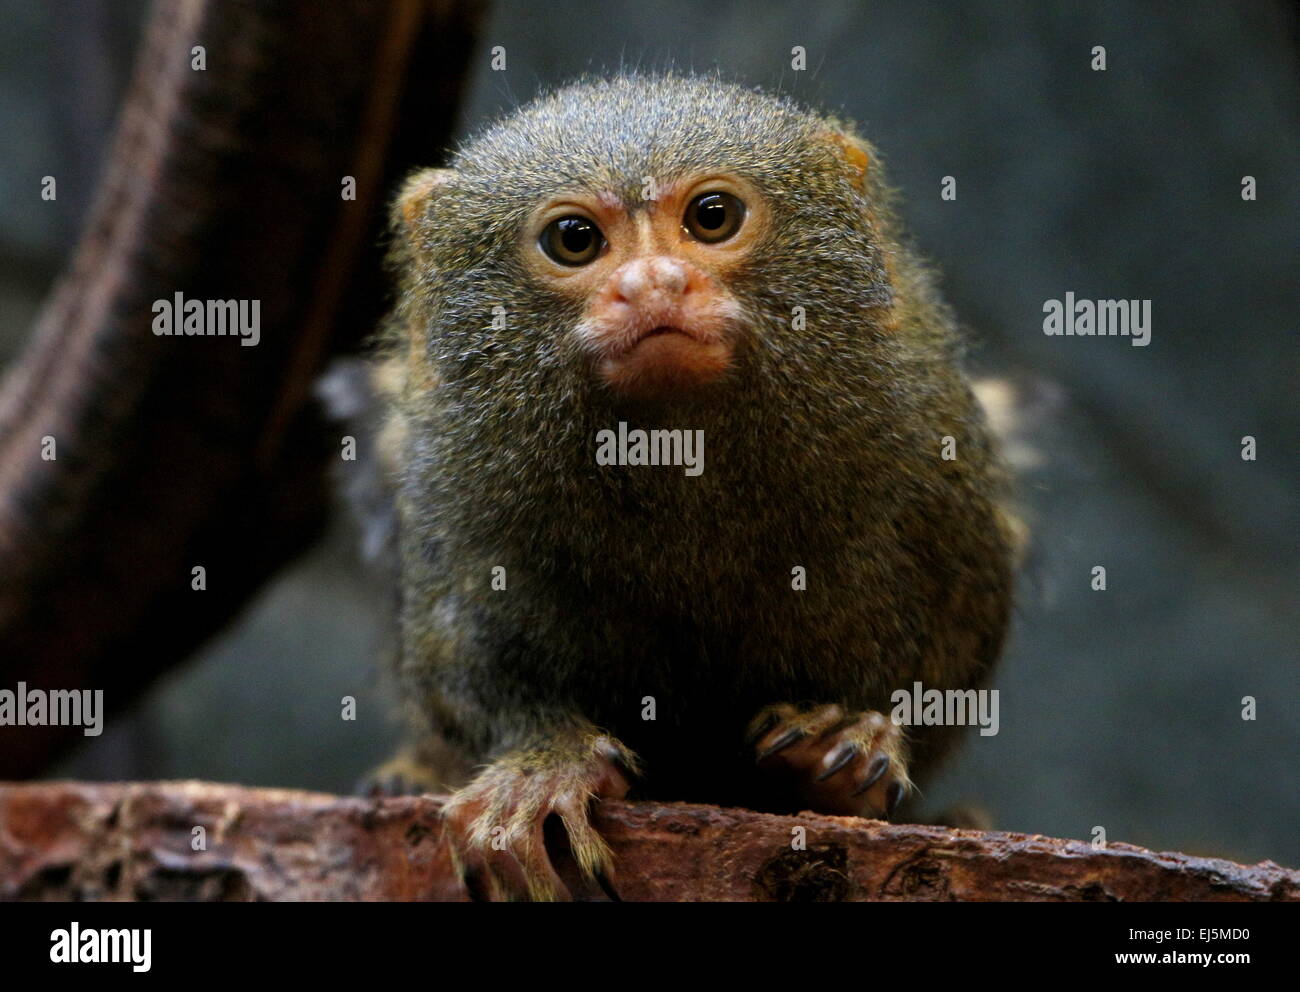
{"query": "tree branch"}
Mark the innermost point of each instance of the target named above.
(224, 183)
(134, 842)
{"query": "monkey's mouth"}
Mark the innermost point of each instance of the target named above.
(664, 359)
(632, 339)
(663, 329)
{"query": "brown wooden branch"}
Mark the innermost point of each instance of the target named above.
(172, 452)
(134, 842)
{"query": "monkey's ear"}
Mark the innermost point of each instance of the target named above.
(416, 193)
(856, 154)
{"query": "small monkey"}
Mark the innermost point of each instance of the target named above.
(674, 253)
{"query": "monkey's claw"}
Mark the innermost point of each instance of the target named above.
(830, 761)
(495, 823)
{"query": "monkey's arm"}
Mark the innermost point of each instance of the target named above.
(498, 701)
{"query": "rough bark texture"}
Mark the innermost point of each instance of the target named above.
(176, 452)
(134, 842)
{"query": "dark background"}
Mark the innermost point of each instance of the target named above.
(1119, 708)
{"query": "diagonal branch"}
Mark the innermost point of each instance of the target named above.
(176, 452)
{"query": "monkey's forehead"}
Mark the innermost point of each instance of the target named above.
(618, 134)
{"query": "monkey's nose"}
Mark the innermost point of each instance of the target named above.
(643, 279)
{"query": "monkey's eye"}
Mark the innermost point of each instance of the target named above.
(572, 240)
(713, 217)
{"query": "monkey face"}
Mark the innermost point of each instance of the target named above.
(667, 240)
(651, 278)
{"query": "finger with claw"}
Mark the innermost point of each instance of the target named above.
(830, 760)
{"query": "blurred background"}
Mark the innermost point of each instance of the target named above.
(1119, 709)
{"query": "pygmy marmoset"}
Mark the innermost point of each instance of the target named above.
(720, 269)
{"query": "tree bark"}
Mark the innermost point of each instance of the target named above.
(137, 842)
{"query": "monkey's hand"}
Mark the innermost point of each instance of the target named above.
(402, 775)
(830, 761)
(495, 823)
